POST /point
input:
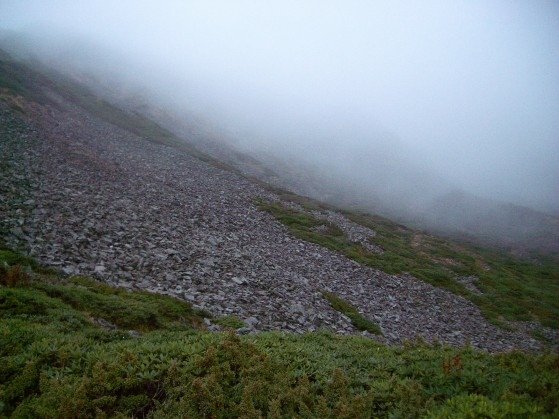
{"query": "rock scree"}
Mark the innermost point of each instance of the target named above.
(87, 197)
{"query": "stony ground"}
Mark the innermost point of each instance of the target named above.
(90, 198)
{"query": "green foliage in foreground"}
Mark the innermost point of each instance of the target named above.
(68, 367)
(512, 289)
(57, 361)
(357, 319)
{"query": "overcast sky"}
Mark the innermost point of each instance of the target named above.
(466, 89)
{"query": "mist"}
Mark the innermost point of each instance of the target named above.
(394, 103)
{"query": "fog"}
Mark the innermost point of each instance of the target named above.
(396, 101)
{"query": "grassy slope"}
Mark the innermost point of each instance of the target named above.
(55, 361)
(512, 289)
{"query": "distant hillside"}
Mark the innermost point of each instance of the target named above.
(520, 230)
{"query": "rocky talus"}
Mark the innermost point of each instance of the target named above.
(90, 198)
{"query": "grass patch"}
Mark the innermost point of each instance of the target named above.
(14, 267)
(357, 319)
(512, 289)
(11, 258)
(230, 322)
(140, 310)
(304, 226)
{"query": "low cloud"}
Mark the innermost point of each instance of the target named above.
(396, 101)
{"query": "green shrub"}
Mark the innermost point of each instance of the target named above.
(10, 276)
(56, 362)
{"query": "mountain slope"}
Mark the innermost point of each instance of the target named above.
(73, 347)
(393, 187)
(136, 207)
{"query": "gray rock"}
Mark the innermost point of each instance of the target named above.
(252, 321)
(99, 269)
(239, 280)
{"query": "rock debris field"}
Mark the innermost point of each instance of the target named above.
(87, 197)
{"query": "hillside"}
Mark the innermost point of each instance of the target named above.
(422, 200)
(73, 347)
(92, 190)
